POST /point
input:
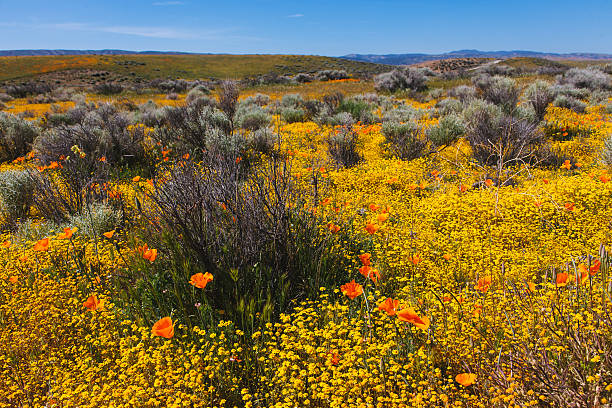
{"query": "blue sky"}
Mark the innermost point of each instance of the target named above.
(308, 27)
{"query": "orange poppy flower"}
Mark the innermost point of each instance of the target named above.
(352, 289)
(390, 306)
(238, 159)
(569, 206)
(371, 228)
(136, 179)
(148, 253)
(566, 165)
(67, 234)
(537, 203)
(594, 267)
(13, 279)
(530, 287)
(92, 303)
(365, 259)
(6, 244)
(103, 159)
(382, 217)
(163, 328)
(200, 280)
(483, 284)
(409, 315)
(466, 379)
(446, 298)
(489, 182)
(447, 257)
(42, 245)
(373, 207)
(186, 156)
(370, 273)
(333, 228)
(415, 259)
(109, 234)
(563, 279)
(325, 201)
(463, 188)
(604, 178)
(546, 181)
(335, 359)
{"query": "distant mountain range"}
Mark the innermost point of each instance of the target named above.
(19, 53)
(409, 59)
(389, 59)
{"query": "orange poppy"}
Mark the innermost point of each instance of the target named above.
(604, 178)
(333, 228)
(163, 328)
(13, 279)
(566, 165)
(238, 159)
(447, 257)
(200, 280)
(409, 315)
(42, 245)
(537, 203)
(382, 217)
(103, 159)
(6, 244)
(563, 279)
(483, 284)
(109, 234)
(569, 206)
(92, 303)
(390, 306)
(325, 201)
(595, 267)
(352, 289)
(530, 287)
(67, 234)
(373, 207)
(463, 188)
(335, 359)
(489, 182)
(466, 379)
(136, 179)
(186, 156)
(370, 272)
(546, 181)
(148, 253)
(415, 259)
(371, 228)
(365, 259)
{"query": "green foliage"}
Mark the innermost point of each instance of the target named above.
(16, 136)
(404, 140)
(447, 131)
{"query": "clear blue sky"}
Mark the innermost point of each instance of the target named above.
(330, 27)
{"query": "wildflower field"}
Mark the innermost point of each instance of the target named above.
(415, 247)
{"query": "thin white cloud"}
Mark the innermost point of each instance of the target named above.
(140, 31)
(168, 3)
(295, 15)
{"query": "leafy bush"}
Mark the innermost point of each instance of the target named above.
(292, 115)
(331, 75)
(569, 102)
(359, 109)
(303, 78)
(587, 78)
(96, 219)
(539, 95)
(449, 105)
(16, 136)
(498, 90)
(108, 88)
(253, 235)
(404, 140)
(413, 79)
(498, 138)
(292, 101)
(228, 98)
(258, 99)
(262, 141)
(403, 113)
(251, 117)
(463, 92)
(343, 145)
(447, 131)
(16, 195)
